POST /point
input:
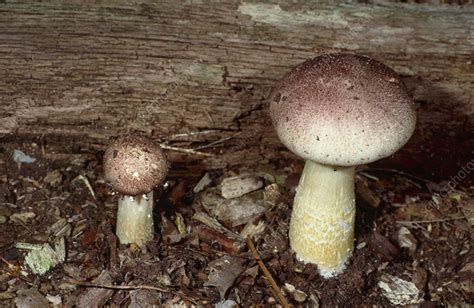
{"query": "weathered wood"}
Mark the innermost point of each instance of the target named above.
(91, 72)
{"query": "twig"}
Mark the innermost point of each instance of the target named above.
(212, 144)
(21, 223)
(137, 287)
(118, 287)
(9, 204)
(409, 222)
(369, 176)
(215, 225)
(188, 134)
(86, 182)
(10, 266)
(267, 274)
(408, 175)
(183, 150)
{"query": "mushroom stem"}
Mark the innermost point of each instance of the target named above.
(135, 219)
(322, 221)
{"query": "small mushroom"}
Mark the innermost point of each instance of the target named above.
(135, 166)
(336, 111)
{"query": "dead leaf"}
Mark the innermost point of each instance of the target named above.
(252, 231)
(22, 218)
(96, 297)
(169, 232)
(399, 291)
(211, 237)
(223, 273)
(89, 237)
(382, 246)
(239, 211)
(30, 298)
(240, 185)
(363, 190)
(143, 298)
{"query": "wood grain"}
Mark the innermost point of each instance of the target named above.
(77, 75)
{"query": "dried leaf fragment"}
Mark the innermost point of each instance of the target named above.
(240, 185)
(399, 291)
(223, 273)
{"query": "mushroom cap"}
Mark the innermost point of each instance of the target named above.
(134, 165)
(342, 109)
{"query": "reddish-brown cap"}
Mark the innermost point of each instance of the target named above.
(135, 165)
(342, 109)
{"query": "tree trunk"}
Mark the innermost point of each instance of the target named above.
(77, 75)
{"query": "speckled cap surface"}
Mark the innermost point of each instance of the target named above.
(342, 109)
(134, 165)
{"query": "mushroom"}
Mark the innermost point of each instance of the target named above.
(135, 166)
(336, 111)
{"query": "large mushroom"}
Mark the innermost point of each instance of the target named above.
(135, 166)
(336, 111)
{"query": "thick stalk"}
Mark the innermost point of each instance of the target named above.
(322, 221)
(135, 219)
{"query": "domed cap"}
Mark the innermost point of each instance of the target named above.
(342, 109)
(134, 165)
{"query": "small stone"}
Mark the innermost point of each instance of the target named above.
(237, 186)
(20, 157)
(399, 291)
(290, 288)
(53, 178)
(272, 194)
(3, 219)
(227, 304)
(407, 240)
(55, 300)
(164, 279)
(300, 296)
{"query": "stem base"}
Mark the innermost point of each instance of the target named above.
(322, 221)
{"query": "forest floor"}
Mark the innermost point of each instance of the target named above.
(413, 239)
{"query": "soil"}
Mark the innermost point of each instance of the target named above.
(407, 228)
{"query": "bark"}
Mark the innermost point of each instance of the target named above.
(78, 75)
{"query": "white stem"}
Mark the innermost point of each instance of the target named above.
(322, 221)
(135, 219)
